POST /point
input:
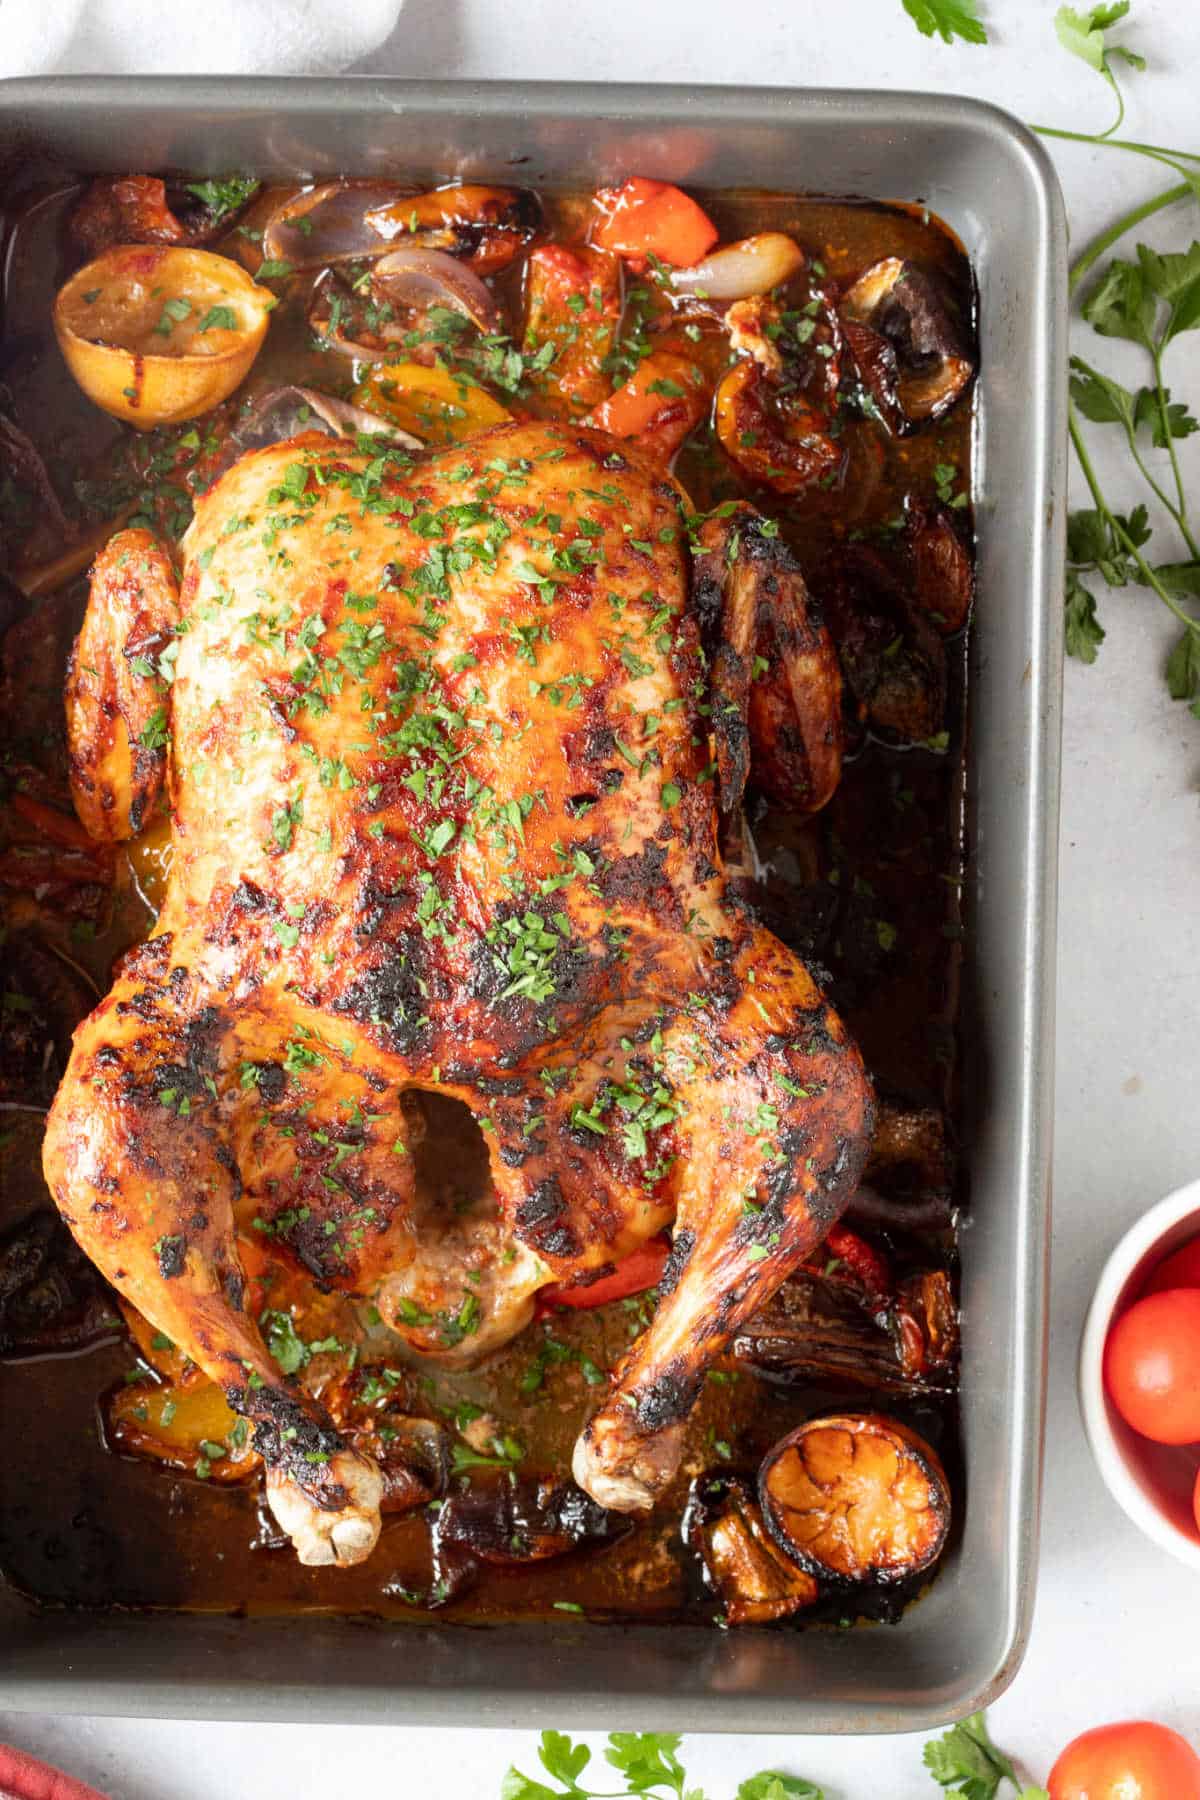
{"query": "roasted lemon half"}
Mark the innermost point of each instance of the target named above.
(154, 335)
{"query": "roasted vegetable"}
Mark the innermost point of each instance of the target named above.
(155, 336)
(506, 1518)
(345, 221)
(645, 219)
(572, 305)
(429, 404)
(634, 1274)
(910, 354)
(753, 265)
(774, 434)
(943, 575)
(664, 399)
(754, 1580)
(52, 1301)
(43, 996)
(893, 658)
(856, 1497)
(188, 1427)
(142, 209)
(823, 1330)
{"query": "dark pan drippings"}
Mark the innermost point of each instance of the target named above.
(868, 889)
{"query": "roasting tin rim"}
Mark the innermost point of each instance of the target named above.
(197, 1666)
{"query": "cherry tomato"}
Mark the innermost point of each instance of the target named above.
(640, 1270)
(1179, 1270)
(1152, 1366)
(1136, 1760)
(644, 218)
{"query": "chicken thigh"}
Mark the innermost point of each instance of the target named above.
(445, 817)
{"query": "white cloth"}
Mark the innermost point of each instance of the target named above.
(204, 37)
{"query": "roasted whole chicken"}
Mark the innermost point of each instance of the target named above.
(454, 747)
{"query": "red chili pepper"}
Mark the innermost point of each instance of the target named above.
(644, 218)
(640, 1270)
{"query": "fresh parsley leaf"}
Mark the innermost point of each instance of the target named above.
(1174, 278)
(1122, 304)
(965, 1761)
(647, 1759)
(1086, 35)
(563, 1759)
(1170, 420)
(949, 18)
(516, 1786)
(1085, 634)
(218, 318)
(1183, 669)
(1181, 580)
(771, 1785)
(224, 195)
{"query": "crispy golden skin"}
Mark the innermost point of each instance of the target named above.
(443, 818)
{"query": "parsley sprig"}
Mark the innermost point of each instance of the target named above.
(949, 18)
(1149, 300)
(963, 1761)
(649, 1763)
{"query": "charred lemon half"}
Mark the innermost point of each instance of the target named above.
(856, 1497)
(156, 335)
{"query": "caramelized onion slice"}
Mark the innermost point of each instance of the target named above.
(753, 265)
(345, 221)
(856, 1497)
(405, 284)
(287, 411)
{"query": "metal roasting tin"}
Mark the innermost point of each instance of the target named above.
(960, 1645)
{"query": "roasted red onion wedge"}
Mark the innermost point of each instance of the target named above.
(345, 221)
(404, 286)
(753, 265)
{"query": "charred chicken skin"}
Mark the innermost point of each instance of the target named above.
(439, 752)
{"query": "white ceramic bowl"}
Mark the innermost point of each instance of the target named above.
(1122, 1457)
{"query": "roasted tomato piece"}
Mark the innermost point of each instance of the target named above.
(773, 433)
(846, 1253)
(572, 303)
(643, 219)
(753, 1578)
(911, 355)
(925, 1324)
(856, 1497)
(664, 399)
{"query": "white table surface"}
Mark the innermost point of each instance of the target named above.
(1115, 1632)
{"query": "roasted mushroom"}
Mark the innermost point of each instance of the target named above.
(753, 1579)
(856, 1497)
(911, 355)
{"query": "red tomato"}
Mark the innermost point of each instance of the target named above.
(1179, 1270)
(1152, 1366)
(640, 1270)
(1136, 1760)
(645, 218)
